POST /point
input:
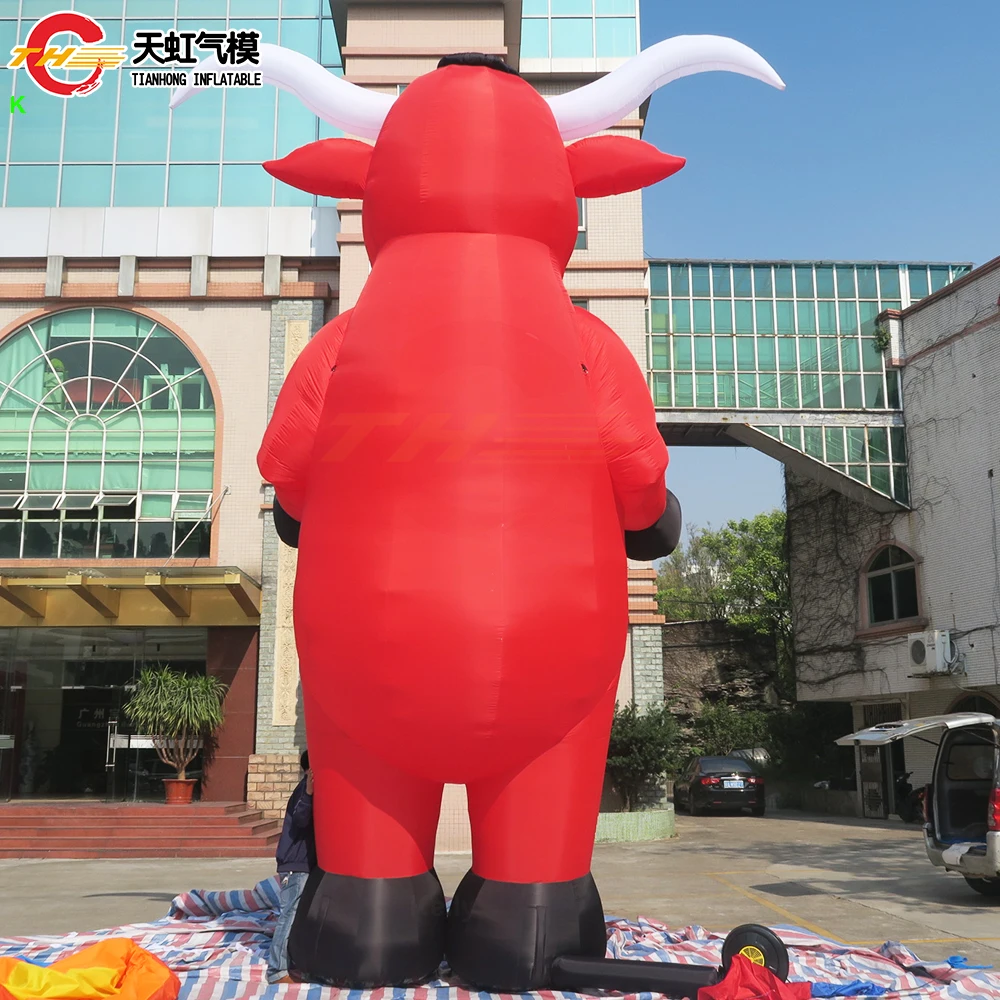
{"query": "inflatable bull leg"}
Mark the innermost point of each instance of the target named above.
(374, 911)
(530, 897)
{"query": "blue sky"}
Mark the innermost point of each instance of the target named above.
(885, 145)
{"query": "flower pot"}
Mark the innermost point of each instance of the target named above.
(179, 790)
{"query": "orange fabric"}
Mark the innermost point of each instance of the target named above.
(115, 969)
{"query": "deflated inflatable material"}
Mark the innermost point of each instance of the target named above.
(114, 969)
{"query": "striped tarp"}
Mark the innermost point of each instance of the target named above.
(217, 942)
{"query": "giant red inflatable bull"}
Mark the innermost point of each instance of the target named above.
(464, 461)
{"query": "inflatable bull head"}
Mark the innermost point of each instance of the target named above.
(447, 134)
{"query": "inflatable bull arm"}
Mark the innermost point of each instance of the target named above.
(623, 417)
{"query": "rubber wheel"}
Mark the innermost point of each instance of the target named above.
(693, 808)
(984, 886)
(759, 944)
(758, 810)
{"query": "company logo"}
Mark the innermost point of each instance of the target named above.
(164, 49)
(38, 56)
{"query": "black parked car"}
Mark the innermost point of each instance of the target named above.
(719, 783)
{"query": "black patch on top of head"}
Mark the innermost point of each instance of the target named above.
(477, 59)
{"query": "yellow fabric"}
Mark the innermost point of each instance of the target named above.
(31, 982)
(115, 969)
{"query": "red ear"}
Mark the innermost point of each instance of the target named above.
(613, 164)
(336, 168)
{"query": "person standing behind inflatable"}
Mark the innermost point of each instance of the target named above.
(296, 857)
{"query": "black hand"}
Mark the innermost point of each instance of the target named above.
(659, 540)
(286, 526)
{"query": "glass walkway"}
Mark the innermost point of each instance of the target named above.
(788, 357)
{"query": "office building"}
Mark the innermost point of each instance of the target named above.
(155, 286)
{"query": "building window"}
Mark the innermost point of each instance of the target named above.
(579, 29)
(581, 224)
(892, 586)
(123, 146)
(581, 303)
(107, 440)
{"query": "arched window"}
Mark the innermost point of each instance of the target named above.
(892, 586)
(107, 440)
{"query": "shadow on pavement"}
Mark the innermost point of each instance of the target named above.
(153, 897)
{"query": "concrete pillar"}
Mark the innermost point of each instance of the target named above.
(647, 665)
(280, 726)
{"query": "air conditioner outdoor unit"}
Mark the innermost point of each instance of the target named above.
(930, 652)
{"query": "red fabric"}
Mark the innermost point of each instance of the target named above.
(636, 453)
(287, 450)
(746, 981)
(336, 168)
(463, 480)
(613, 164)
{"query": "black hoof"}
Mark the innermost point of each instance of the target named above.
(503, 936)
(651, 543)
(368, 932)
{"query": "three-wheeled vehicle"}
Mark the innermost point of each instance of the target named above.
(962, 802)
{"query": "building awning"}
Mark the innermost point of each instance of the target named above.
(140, 596)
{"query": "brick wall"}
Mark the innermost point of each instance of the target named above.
(271, 780)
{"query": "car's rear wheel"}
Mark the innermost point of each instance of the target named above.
(984, 886)
(693, 808)
(757, 810)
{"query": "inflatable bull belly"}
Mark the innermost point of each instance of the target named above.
(485, 550)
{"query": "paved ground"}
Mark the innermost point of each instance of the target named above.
(858, 882)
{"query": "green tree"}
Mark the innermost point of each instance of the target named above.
(721, 729)
(740, 574)
(752, 582)
(641, 749)
(686, 581)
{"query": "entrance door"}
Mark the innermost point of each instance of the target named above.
(63, 693)
(68, 685)
(134, 768)
(875, 763)
(8, 741)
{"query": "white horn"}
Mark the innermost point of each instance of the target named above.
(604, 102)
(345, 105)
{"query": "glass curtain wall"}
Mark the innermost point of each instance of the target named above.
(790, 337)
(579, 29)
(107, 440)
(120, 145)
(61, 697)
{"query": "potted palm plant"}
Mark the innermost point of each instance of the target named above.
(180, 712)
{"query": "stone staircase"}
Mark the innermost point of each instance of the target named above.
(140, 830)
